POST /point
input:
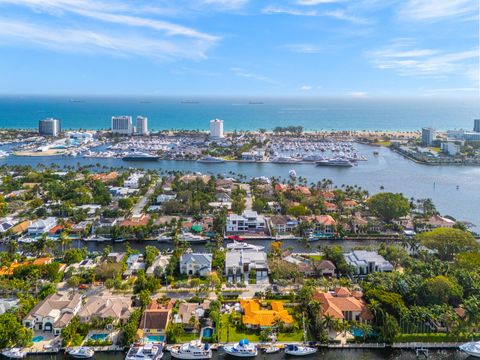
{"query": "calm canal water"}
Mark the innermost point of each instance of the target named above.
(338, 354)
(454, 189)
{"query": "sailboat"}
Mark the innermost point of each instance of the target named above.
(300, 350)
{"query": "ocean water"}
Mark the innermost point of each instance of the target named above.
(245, 113)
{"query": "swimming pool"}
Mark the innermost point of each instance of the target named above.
(155, 338)
(97, 337)
(207, 332)
(38, 338)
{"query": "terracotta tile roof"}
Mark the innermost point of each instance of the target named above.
(337, 304)
(326, 220)
(8, 270)
(255, 316)
(20, 227)
(136, 221)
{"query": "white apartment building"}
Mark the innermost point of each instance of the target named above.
(248, 221)
(49, 127)
(142, 125)
(216, 128)
(122, 125)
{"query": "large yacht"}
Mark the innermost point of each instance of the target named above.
(144, 352)
(139, 156)
(192, 238)
(14, 353)
(471, 348)
(210, 159)
(337, 162)
(193, 350)
(242, 349)
(237, 246)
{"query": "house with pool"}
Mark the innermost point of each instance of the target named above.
(154, 322)
(54, 313)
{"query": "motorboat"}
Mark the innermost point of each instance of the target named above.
(192, 238)
(145, 352)
(193, 350)
(81, 353)
(164, 237)
(14, 353)
(242, 349)
(471, 348)
(139, 156)
(210, 159)
(237, 246)
(337, 162)
(272, 349)
(299, 350)
(292, 173)
(97, 238)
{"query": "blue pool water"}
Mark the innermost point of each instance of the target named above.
(99, 337)
(207, 333)
(37, 338)
(155, 338)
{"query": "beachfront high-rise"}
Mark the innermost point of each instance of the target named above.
(49, 127)
(216, 128)
(476, 125)
(122, 125)
(428, 136)
(142, 125)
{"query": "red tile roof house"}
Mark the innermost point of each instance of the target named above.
(155, 320)
(325, 224)
(342, 304)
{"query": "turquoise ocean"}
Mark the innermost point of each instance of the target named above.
(244, 113)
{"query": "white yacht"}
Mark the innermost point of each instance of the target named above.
(210, 159)
(292, 173)
(81, 353)
(165, 237)
(192, 238)
(336, 162)
(471, 348)
(193, 350)
(139, 156)
(237, 246)
(3, 154)
(242, 349)
(299, 350)
(14, 353)
(144, 352)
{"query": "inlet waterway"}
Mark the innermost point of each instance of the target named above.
(454, 189)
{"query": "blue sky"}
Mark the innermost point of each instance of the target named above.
(240, 47)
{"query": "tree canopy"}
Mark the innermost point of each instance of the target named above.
(448, 242)
(388, 206)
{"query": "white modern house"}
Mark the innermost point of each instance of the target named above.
(133, 181)
(366, 262)
(240, 264)
(54, 313)
(196, 264)
(41, 226)
(248, 221)
(163, 198)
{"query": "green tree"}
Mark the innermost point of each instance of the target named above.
(441, 290)
(448, 242)
(12, 332)
(388, 206)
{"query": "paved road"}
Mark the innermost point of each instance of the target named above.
(138, 208)
(248, 198)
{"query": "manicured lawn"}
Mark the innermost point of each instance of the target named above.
(251, 335)
(187, 337)
(315, 257)
(383, 143)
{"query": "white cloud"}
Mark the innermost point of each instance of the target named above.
(59, 28)
(237, 71)
(306, 87)
(270, 10)
(303, 48)
(227, 4)
(341, 14)
(422, 62)
(433, 10)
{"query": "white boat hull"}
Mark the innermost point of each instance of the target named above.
(229, 350)
(471, 348)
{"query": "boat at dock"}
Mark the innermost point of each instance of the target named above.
(193, 350)
(192, 238)
(145, 352)
(338, 162)
(210, 159)
(272, 349)
(81, 353)
(299, 350)
(471, 348)
(14, 353)
(242, 349)
(140, 156)
(237, 246)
